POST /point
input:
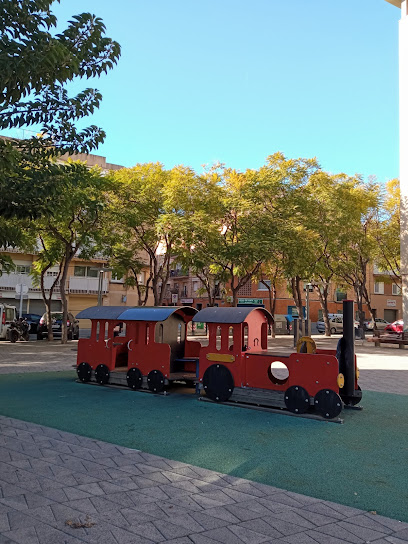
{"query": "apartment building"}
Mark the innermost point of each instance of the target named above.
(185, 288)
(87, 280)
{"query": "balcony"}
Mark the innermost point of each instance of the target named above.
(8, 282)
(178, 272)
(86, 286)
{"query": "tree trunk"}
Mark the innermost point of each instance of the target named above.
(64, 302)
(323, 299)
(297, 297)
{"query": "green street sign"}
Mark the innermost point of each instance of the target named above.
(250, 301)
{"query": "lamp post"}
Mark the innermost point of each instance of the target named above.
(403, 137)
(100, 282)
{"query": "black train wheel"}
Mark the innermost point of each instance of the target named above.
(134, 378)
(297, 399)
(328, 403)
(155, 381)
(218, 383)
(84, 371)
(102, 374)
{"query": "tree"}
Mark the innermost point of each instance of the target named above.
(144, 215)
(280, 200)
(387, 231)
(73, 229)
(360, 247)
(35, 68)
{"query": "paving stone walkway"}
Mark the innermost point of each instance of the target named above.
(60, 488)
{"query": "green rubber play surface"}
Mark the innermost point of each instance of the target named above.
(362, 463)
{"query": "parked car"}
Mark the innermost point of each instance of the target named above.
(397, 326)
(381, 324)
(336, 325)
(8, 315)
(32, 320)
(56, 324)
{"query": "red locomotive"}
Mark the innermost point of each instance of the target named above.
(147, 347)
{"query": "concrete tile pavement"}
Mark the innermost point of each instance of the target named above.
(56, 487)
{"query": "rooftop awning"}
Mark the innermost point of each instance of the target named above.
(137, 313)
(228, 315)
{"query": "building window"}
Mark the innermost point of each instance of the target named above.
(262, 286)
(396, 289)
(341, 294)
(23, 269)
(117, 278)
(379, 287)
(86, 271)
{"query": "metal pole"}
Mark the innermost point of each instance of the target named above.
(403, 143)
(20, 310)
(348, 348)
(403, 122)
(100, 284)
(307, 332)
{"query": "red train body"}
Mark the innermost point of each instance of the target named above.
(148, 347)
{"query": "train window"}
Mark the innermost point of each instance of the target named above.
(98, 326)
(264, 336)
(147, 333)
(278, 373)
(106, 330)
(119, 329)
(231, 338)
(179, 333)
(245, 337)
(161, 333)
(218, 339)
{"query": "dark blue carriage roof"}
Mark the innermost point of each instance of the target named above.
(137, 313)
(227, 315)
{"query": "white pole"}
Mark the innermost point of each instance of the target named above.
(403, 118)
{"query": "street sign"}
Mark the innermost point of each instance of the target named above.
(23, 287)
(174, 298)
(250, 301)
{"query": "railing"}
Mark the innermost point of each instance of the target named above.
(8, 282)
(87, 286)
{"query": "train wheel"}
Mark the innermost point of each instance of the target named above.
(328, 403)
(134, 378)
(297, 399)
(155, 381)
(218, 383)
(102, 374)
(84, 372)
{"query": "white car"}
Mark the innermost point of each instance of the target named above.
(336, 325)
(380, 323)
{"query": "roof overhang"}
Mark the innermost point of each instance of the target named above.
(396, 3)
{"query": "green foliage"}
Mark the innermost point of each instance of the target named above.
(35, 65)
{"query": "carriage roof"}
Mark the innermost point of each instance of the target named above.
(137, 313)
(228, 315)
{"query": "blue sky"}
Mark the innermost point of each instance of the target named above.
(234, 81)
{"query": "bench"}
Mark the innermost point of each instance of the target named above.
(400, 339)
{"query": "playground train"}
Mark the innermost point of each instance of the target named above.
(147, 348)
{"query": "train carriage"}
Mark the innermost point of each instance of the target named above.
(237, 365)
(138, 346)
